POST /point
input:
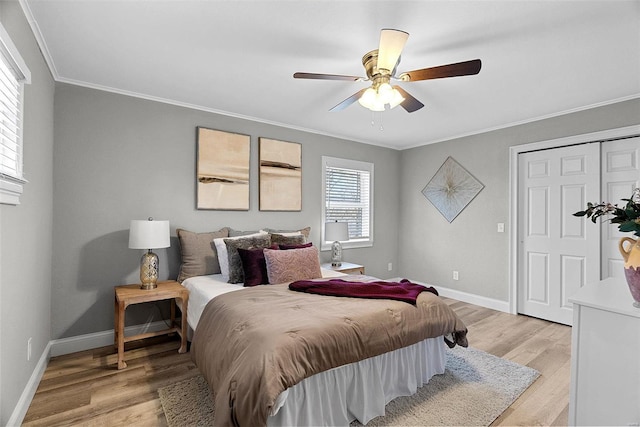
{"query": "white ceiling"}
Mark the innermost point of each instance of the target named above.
(539, 58)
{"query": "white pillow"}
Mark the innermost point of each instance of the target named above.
(223, 256)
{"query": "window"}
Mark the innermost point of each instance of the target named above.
(348, 196)
(13, 76)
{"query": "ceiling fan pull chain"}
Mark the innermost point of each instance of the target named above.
(373, 119)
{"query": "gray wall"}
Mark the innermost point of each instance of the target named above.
(431, 248)
(119, 158)
(25, 230)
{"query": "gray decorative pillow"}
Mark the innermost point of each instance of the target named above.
(236, 274)
(236, 233)
(199, 256)
(279, 239)
(304, 231)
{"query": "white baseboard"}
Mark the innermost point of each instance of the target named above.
(30, 389)
(491, 303)
(99, 339)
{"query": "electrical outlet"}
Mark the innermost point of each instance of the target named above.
(501, 227)
(455, 275)
(29, 349)
(390, 266)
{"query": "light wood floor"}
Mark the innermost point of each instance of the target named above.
(86, 388)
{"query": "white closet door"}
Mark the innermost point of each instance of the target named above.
(558, 252)
(620, 175)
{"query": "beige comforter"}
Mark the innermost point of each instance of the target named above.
(253, 344)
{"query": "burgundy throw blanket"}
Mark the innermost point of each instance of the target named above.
(403, 290)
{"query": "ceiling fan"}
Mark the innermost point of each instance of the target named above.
(381, 65)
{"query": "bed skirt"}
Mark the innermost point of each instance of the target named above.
(359, 390)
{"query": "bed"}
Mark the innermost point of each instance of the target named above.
(276, 357)
(356, 390)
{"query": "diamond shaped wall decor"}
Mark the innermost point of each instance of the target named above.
(451, 189)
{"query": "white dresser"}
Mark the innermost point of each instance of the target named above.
(605, 356)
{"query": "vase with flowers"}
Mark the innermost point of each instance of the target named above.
(628, 220)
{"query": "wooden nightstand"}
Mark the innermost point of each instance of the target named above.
(346, 268)
(132, 294)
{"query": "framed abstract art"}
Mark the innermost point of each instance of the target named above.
(451, 189)
(222, 170)
(280, 175)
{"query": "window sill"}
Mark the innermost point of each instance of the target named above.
(349, 245)
(10, 190)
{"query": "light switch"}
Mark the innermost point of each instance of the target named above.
(501, 227)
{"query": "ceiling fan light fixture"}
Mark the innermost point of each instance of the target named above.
(368, 98)
(385, 93)
(377, 106)
(396, 100)
(376, 99)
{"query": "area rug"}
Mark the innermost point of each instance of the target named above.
(474, 390)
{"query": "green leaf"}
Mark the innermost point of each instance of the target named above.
(631, 214)
(628, 226)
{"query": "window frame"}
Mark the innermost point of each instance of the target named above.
(354, 165)
(11, 187)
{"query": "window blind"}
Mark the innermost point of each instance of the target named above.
(347, 199)
(10, 122)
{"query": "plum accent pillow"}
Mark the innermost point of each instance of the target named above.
(288, 247)
(295, 264)
(236, 274)
(254, 266)
(281, 239)
(223, 257)
(199, 256)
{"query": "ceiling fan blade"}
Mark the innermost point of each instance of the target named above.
(325, 76)
(350, 100)
(451, 70)
(391, 45)
(410, 103)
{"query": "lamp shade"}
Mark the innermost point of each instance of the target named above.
(336, 231)
(149, 234)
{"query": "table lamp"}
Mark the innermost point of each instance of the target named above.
(149, 234)
(336, 231)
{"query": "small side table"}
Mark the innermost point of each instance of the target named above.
(346, 268)
(127, 295)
